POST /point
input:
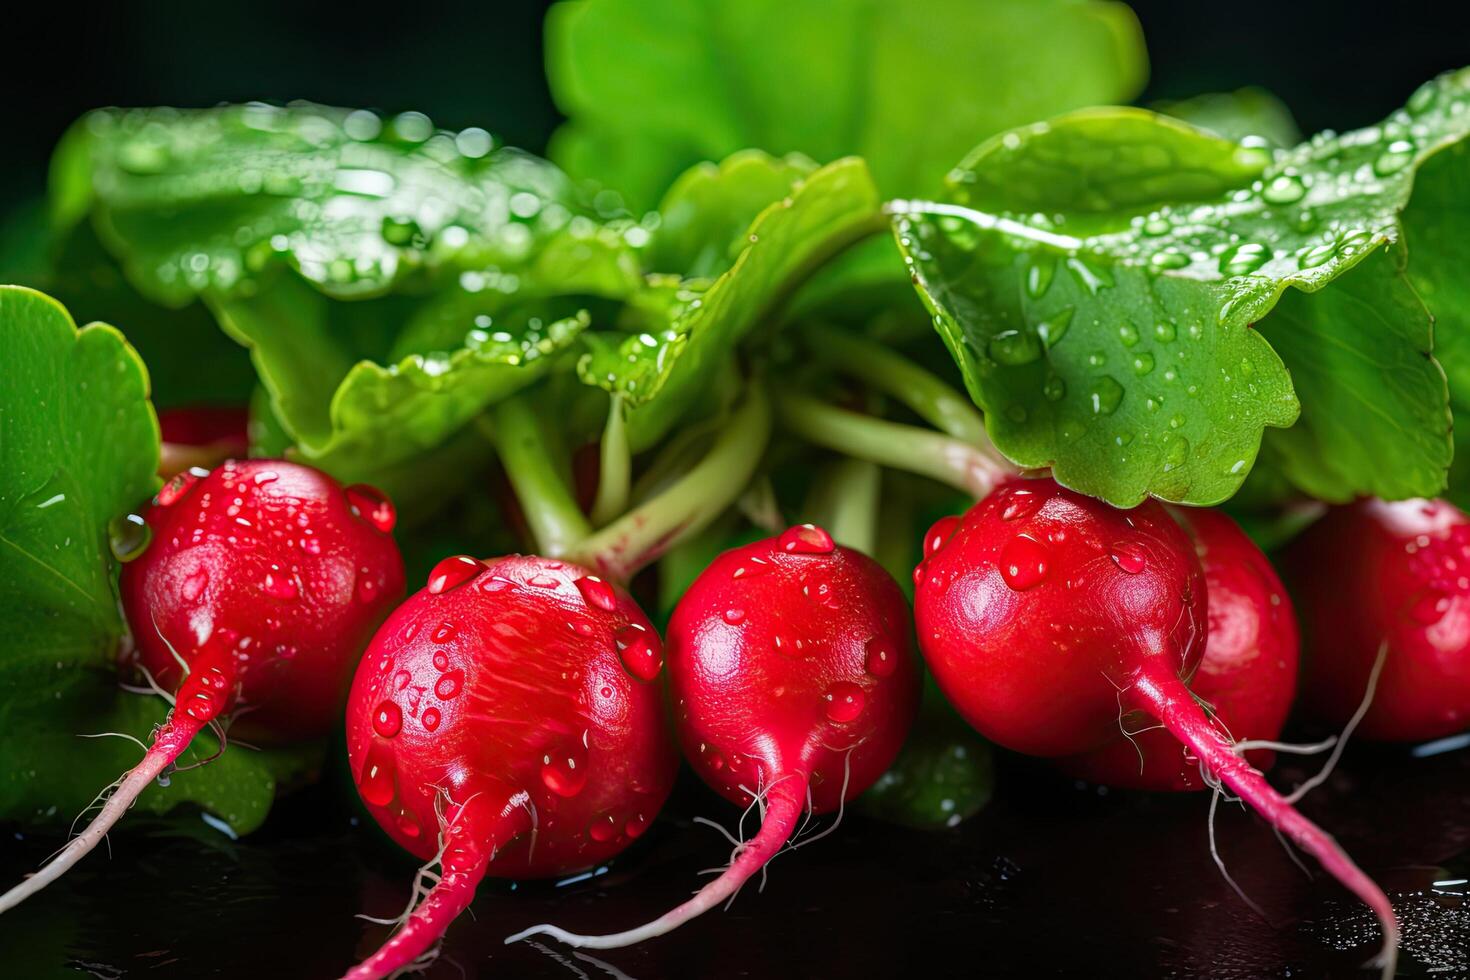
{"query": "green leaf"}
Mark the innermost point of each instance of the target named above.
(1434, 231)
(706, 214)
(208, 200)
(1112, 315)
(944, 774)
(907, 86)
(1243, 115)
(78, 451)
(304, 347)
(664, 370)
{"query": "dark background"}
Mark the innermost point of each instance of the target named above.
(1337, 65)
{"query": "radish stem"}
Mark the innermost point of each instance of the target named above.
(614, 477)
(551, 511)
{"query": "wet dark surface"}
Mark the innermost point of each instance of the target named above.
(1052, 879)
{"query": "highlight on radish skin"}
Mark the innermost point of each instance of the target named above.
(260, 583)
(507, 720)
(1377, 574)
(1247, 675)
(1044, 613)
(794, 682)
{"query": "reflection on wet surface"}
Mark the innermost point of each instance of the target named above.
(1054, 878)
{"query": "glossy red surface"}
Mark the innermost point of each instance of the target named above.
(1248, 673)
(792, 655)
(1395, 573)
(523, 683)
(270, 572)
(1040, 605)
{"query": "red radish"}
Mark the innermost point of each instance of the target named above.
(264, 578)
(1247, 675)
(1395, 574)
(795, 682)
(201, 435)
(1046, 615)
(506, 719)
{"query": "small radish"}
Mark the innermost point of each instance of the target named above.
(201, 435)
(506, 720)
(1378, 574)
(1047, 615)
(794, 683)
(1247, 674)
(263, 580)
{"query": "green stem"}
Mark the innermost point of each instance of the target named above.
(689, 503)
(894, 549)
(881, 367)
(904, 447)
(845, 502)
(556, 522)
(615, 474)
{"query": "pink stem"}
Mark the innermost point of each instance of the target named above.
(1158, 691)
(785, 804)
(193, 709)
(463, 864)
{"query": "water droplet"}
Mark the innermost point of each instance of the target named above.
(1429, 608)
(1156, 225)
(128, 537)
(1143, 363)
(1023, 562)
(407, 825)
(311, 546)
(1176, 453)
(734, 616)
(1128, 334)
(640, 650)
(266, 476)
(939, 534)
(1168, 258)
(430, 719)
(401, 679)
(543, 582)
(805, 539)
(1104, 395)
(1283, 189)
(367, 589)
(453, 572)
(279, 584)
(1129, 557)
(378, 772)
(635, 826)
(603, 828)
(881, 658)
(1164, 332)
(563, 775)
(372, 505)
(1014, 347)
(596, 592)
(387, 719)
(441, 661)
(1244, 259)
(845, 701)
(756, 566)
(1054, 328)
(449, 684)
(444, 632)
(1054, 388)
(1400, 154)
(1019, 504)
(1091, 277)
(1039, 276)
(176, 488)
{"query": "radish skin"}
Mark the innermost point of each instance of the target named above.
(262, 581)
(1045, 615)
(1247, 674)
(1396, 576)
(506, 720)
(793, 676)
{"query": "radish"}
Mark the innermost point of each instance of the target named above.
(1378, 575)
(794, 682)
(262, 581)
(1247, 675)
(201, 435)
(506, 720)
(1047, 616)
